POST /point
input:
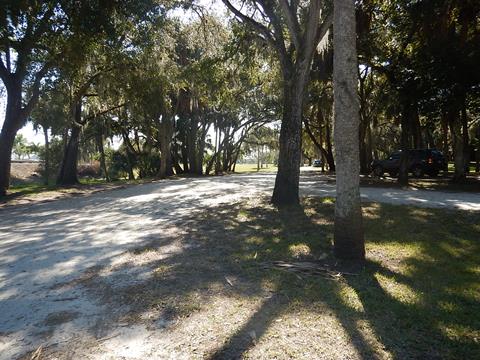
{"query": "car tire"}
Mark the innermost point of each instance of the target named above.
(417, 171)
(393, 174)
(378, 171)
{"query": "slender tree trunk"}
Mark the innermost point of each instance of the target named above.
(404, 144)
(465, 137)
(101, 150)
(192, 145)
(47, 156)
(348, 229)
(166, 133)
(258, 158)
(477, 161)
(458, 148)
(328, 139)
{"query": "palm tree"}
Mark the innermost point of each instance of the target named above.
(348, 233)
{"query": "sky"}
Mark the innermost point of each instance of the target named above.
(27, 131)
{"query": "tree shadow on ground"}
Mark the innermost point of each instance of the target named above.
(415, 297)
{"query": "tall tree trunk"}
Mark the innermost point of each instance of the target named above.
(101, 150)
(458, 148)
(286, 190)
(258, 158)
(404, 144)
(465, 136)
(328, 140)
(13, 121)
(7, 138)
(416, 128)
(348, 229)
(68, 167)
(444, 122)
(166, 133)
(192, 145)
(47, 156)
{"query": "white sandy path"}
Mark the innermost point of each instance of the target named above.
(47, 244)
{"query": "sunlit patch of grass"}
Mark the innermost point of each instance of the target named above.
(460, 333)
(400, 292)
(350, 298)
(299, 250)
(422, 270)
(248, 168)
(30, 188)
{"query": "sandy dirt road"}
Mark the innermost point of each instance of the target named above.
(49, 250)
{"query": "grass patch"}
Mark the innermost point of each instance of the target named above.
(215, 292)
(416, 297)
(247, 168)
(34, 190)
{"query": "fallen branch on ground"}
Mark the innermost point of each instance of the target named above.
(308, 268)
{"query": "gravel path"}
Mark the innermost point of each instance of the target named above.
(46, 247)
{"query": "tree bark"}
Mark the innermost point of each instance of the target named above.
(47, 156)
(404, 144)
(286, 190)
(328, 140)
(101, 150)
(166, 133)
(68, 169)
(458, 146)
(13, 121)
(348, 229)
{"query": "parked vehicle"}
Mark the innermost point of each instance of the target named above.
(317, 163)
(420, 162)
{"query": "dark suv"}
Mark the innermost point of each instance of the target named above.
(420, 162)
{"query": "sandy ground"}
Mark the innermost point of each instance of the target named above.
(62, 261)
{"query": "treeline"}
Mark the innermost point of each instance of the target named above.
(173, 96)
(419, 84)
(177, 96)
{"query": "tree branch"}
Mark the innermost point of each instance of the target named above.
(249, 21)
(310, 39)
(36, 90)
(323, 28)
(103, 112)
(292, 23)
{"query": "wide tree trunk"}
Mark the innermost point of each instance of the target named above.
(13, 121)
(68, 169)
(286, 190)
(7, 138)
(348, 229)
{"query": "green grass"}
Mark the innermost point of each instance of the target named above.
(416, 297)
(29, 188)
(246, 168)
(451, 167)
(26, 189)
